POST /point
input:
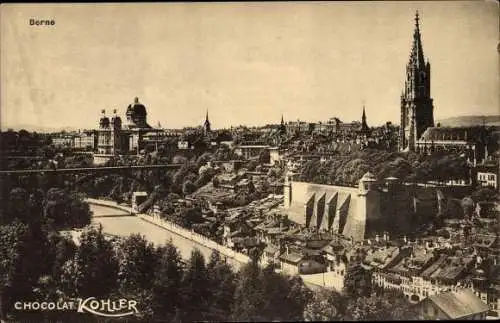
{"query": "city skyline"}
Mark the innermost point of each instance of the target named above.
(244, 63)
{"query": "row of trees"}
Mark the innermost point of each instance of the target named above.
(57, 208)
(411, 167)
(165, 287)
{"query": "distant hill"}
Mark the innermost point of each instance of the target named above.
(39, 129)
(469, 121)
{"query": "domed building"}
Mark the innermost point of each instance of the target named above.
(130, 137)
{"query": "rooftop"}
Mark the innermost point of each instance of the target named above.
(459, 304)
(271, 249)
(381, 258)
(291, 257)
(414, 264)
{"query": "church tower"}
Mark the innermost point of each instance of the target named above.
(417, 110)
(206, 125)
(282, 128)
(364, 126)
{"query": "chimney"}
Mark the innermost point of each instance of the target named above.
(405, 239)
(286, 248)
(377, 238)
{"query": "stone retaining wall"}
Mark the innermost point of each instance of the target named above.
(196, 238)
(110, 204)
(319, 280)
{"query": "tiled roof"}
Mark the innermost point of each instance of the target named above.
(317, 244)
(435, 266)
(271, 249)
(291, 257)
(459, 304)
(382, 257)
(450, 134)
(483, 240)
(449, 272)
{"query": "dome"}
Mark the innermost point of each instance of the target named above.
(136, 115)
(136, 109)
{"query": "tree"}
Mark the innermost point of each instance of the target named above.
(380, 308)
(167, 283)
(203, 159)
(251, 165)
(297, 297)
(285, 297)
(19, 263)
(188, 187)
(324, 306)
(136, 264)
(64, 250)
(249, 295)
(194, 291)
(357, 281)
(191, 216)
(94, 266)
(485, 194)
(18, 208)
(222, 287)
(206, 174)
(64, 210)
(275, 288)
(215, 182)
(264, 157)
(309, 170)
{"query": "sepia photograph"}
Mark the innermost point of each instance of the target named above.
(249, 161)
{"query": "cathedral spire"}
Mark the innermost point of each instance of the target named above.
(206, 125)
(417, 110)
(364, 125)
(417, 52)
(282, 128)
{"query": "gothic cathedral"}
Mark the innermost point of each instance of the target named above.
(417, 110)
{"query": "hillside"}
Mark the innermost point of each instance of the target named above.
(37, 128)
(468, 121)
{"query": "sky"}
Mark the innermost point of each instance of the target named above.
(246, 63)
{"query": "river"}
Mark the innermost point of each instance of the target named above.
(119, 223)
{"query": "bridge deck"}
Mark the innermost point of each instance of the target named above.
(86, 169)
